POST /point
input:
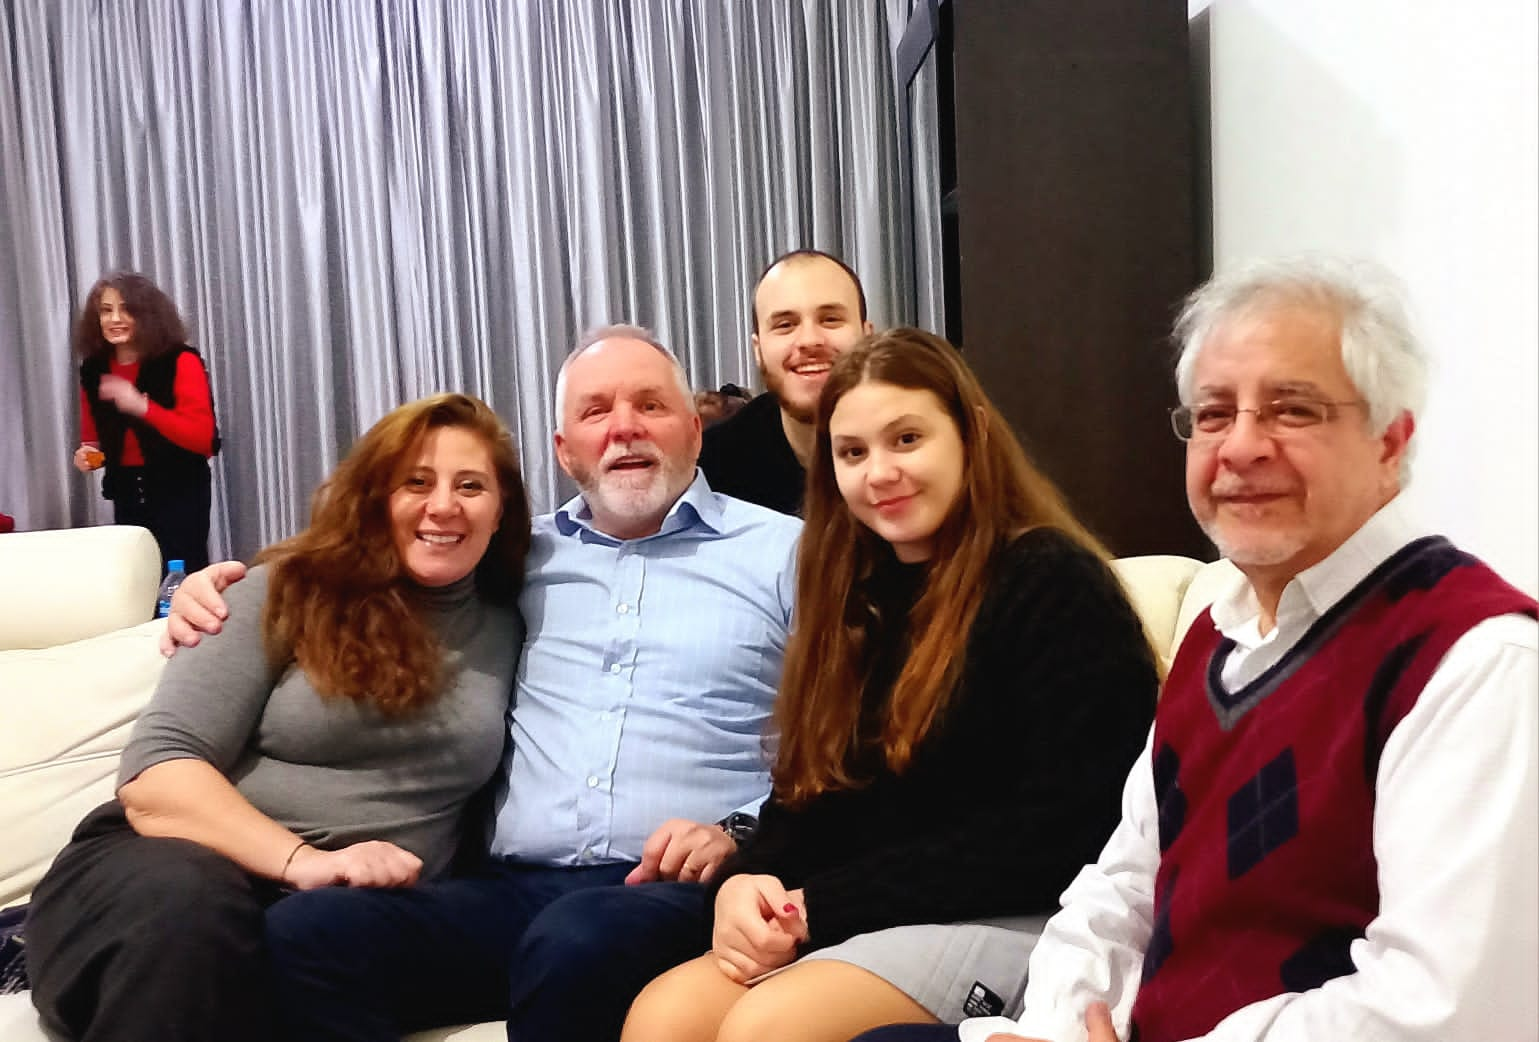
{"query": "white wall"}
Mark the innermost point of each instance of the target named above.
(1406, 131)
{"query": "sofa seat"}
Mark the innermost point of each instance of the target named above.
(79, 658)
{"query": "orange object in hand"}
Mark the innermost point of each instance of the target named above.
(94, 457)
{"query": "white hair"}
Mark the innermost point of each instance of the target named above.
(1383, 358)
(627, 332)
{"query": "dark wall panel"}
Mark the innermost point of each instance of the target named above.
(1073, 125)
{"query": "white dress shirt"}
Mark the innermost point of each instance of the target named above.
(1453, 954)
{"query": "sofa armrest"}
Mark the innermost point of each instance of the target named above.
(1155, 586)
(65, 585)
(1211, 581)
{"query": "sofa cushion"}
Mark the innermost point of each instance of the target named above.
(75, 583)
(65, 715)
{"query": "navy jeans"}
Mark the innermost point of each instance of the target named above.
(558, 952)
(910, 1033)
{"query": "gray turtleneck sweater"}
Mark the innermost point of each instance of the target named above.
(333, 770)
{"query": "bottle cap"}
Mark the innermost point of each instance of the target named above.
(176, 566)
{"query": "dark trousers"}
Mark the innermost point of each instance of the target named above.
(910, 1033)
(557, 952)
(134, 939)
(175, 514)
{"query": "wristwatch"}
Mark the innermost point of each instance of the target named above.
(739, 827)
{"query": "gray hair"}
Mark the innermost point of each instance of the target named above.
(628, 332)
(1381, 354)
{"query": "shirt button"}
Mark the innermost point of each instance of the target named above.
(622, 609)
(615, 668)
(592, 782)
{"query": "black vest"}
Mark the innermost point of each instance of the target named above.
(165, 464)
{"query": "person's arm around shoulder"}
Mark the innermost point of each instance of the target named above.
(198, 606)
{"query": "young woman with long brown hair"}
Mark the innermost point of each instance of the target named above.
(331, 734)
(146, 414)
(965, 687)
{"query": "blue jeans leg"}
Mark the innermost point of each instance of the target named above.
(364, 965)
(587, 955)
(910, 1033)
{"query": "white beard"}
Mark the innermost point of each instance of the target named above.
(1268, 551)
(633, 496)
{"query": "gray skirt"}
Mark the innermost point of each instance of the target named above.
(954, 970)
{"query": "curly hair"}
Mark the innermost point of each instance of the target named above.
(817, 713)
(157, 326)
(339, 602)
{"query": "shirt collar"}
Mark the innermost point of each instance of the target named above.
(697, 506)
(1313, 592)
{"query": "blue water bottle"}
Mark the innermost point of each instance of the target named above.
(176, 571)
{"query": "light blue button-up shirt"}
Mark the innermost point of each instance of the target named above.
(648, 671)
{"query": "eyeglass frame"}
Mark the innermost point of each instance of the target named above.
(1266, 416)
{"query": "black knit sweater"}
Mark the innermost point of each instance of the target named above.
(1016, 788)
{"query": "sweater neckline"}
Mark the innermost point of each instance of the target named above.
(444, 598)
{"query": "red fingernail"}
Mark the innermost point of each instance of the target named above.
(790, 907)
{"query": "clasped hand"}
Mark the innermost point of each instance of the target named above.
(759, 923)
(374, 862)
(683, 851)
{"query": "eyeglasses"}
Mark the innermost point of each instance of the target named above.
(1213, 419)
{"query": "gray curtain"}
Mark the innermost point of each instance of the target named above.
(356, 204)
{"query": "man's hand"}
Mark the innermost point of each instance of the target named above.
(122, 394)
(372, 863)
(759, 923)
(197, 607)
(686, 851)
(1097, 1021)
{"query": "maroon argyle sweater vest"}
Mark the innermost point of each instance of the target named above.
(1266, 794)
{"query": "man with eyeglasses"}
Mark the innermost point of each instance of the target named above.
(1332, 833)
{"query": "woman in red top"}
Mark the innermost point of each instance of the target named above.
(146, 414)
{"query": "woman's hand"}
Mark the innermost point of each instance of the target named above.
(758, 926)
(371, 863)
(88, 458)
(122, 394)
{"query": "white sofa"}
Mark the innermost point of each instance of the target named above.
(79, 658)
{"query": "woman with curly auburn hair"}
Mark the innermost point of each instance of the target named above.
(332, 734)
(146, 414)
(965, 688)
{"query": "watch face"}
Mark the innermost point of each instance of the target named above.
(739, 826)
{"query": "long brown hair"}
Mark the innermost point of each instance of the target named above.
(817, 713)
(339, 601)
(157, 326)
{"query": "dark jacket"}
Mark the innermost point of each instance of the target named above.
(165, 464)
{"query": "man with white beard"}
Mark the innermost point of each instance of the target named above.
(656, 614)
